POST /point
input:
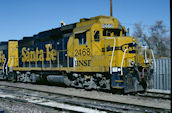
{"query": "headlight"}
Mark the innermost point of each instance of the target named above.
(116, 69)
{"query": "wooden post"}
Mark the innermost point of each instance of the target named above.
(110, 7)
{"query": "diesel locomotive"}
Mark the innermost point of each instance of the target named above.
(95, 53)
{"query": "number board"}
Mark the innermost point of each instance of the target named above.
(107, 25)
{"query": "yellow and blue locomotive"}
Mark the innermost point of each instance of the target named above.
(95, 53)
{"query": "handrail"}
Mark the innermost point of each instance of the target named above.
(112, 56)
(154, 60)
(109, 37)
(145, 54)
(123, 61)
(7, 66)
(11, 65)
(4, 65)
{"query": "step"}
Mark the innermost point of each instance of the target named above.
(119, 81)
(118, 87)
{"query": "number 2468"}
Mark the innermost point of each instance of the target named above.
(82, 52)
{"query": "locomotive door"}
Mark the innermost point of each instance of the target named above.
(99, 60)
(12, 54)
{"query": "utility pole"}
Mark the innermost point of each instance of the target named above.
(110, 7)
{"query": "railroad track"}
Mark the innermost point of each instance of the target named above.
(43, 99)
(78, 103)
(157, 95)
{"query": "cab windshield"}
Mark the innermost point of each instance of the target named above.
(112, 32)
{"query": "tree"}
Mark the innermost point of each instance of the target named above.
(141, 35)
(156, 39)
(159, 39)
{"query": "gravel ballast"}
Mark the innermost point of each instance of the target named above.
(12, 106)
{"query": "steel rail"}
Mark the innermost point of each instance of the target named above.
(155, 95)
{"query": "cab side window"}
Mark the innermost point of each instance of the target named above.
(81, 37)
(96, 36)
(106, 32)
(116, 32)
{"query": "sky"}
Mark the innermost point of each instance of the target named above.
(21, 18)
